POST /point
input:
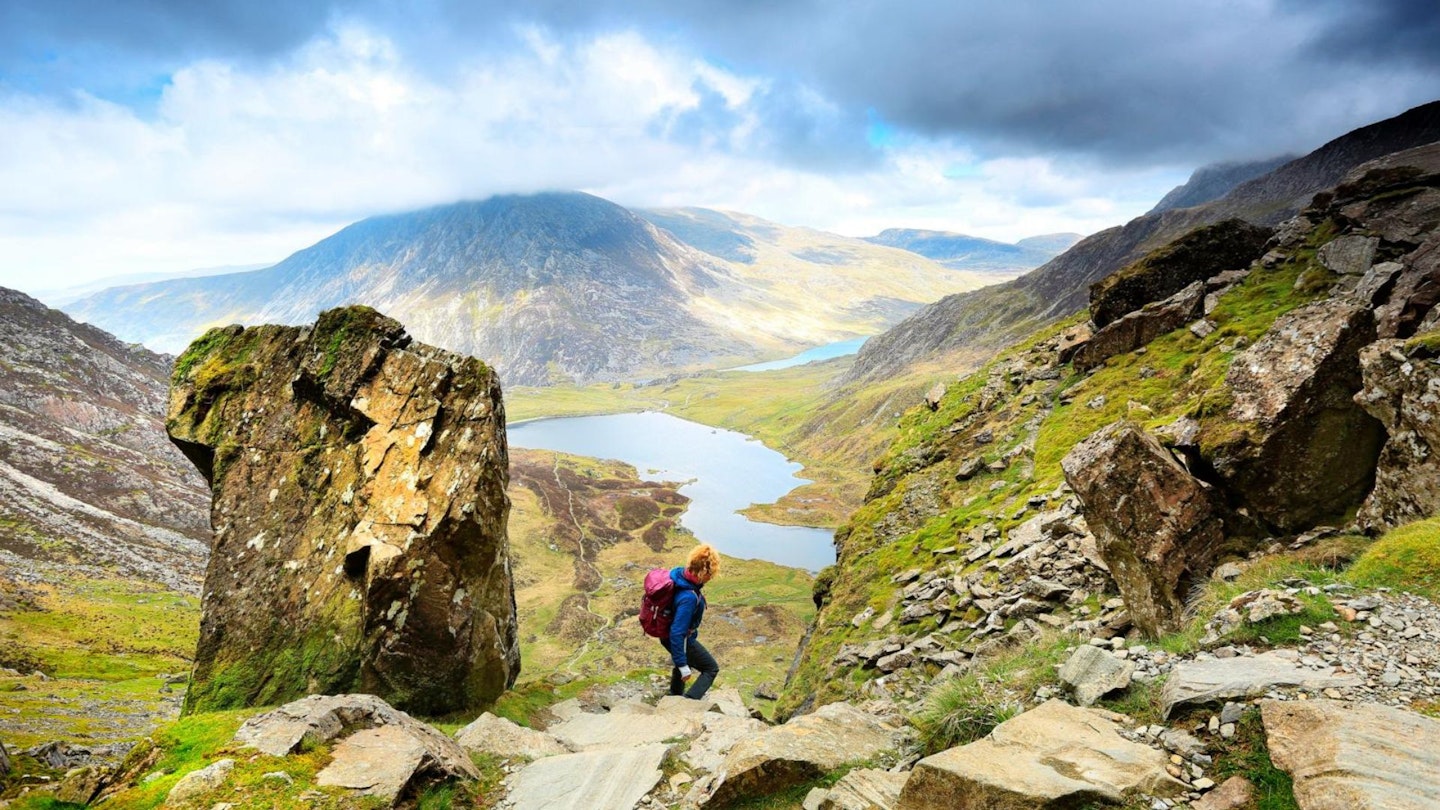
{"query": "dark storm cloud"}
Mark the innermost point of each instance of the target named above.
(1133, 81)
(1389, 31)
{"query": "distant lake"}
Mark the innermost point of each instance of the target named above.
(727, 471)
(827, 352)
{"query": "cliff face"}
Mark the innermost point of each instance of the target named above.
(86, 476)
(962, 329)
(359, 514)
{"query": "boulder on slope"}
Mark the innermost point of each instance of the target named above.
(359, 506)
(1158, 528)
(1294, 448)
(1135, 329)
(805, 748)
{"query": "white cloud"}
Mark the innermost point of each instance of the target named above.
(243, 164)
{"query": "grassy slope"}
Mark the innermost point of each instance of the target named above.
(101, 644)
(916, 507)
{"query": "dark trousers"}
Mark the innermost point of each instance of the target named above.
(700, 660)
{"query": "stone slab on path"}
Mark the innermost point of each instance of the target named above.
(1355, 756)
(592, 780)
(622, 729)
(1055, 755)
(805, 748)
(1216, 679)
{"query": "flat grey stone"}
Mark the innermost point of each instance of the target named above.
(721, 733)
(805, 748)
(592, 780)
(382, 762)
(865, 789)
(1218, 679)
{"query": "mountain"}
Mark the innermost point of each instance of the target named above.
(87, 477)
(558, 287)
(974, 253)
(956, 332)
(1215, 181)
(61, 296)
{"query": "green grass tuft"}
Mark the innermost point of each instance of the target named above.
(1407, 559)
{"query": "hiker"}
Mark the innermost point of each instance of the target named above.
(686, 652)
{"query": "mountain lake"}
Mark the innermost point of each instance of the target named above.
(727, 471)
(827, 352)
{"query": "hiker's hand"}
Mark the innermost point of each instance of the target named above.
(686, 673)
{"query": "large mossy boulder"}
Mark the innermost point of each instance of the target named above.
(1159, 529)
(1294, 448)
(1197, 256)
(359, 511)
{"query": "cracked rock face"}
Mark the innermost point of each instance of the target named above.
(359, 512)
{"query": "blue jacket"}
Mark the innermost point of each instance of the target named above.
(689, 610)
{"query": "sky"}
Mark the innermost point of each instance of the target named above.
(161, 135)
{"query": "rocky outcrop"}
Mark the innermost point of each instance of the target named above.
(1402, 390)
(1054, 755)
(1159, 528)
(1138, 328)
(805, 748)
(359, 513)
(1296, 448)
(88, 483)
(1355, 756)
(1194, 257)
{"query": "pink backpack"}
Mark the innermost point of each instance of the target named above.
(657, 607)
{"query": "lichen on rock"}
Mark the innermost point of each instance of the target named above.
(359, 511)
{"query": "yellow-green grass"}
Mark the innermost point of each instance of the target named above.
(100, 644)
(1407, 559)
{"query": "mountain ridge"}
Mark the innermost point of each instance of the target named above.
(957, 330)
(86, 475)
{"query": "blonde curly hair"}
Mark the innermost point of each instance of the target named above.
(704, 562)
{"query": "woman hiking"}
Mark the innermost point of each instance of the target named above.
(686, 652)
